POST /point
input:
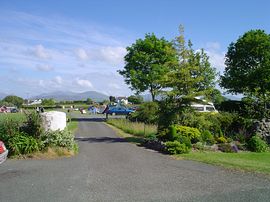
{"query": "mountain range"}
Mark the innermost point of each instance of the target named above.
(62, 96)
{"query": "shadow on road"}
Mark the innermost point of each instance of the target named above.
(100, 139)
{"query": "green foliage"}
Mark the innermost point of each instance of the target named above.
(48, 102)
(256, 144)
(7, 104)
(89, 101)
(17, 101)
(172, 133)
(199, 146)
(58, 138)
(146, 113)
(151, 137)
(33, 125)
(21, 143)
(135, 99)
(147, 61)
(184, 140)
(248, 66)
(193, 75)
(192, 133)
(176, 147)
(225, 147)
(222, 140)
(207, 137)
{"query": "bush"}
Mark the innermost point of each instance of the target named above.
(58, 138)
(221, 140)
(192, 133)
(147, 113)
(184, 140)
(256, 144)
(226, 147)
(176, 147)
(33, 125)
(199, 146)
(21, 143)
(207, 137)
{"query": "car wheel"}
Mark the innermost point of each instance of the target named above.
(113, 114)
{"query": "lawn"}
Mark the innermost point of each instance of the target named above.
(248, 161)
(15, 117)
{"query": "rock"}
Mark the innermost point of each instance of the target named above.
(54, 120)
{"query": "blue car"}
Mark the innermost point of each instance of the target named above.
(119, 111)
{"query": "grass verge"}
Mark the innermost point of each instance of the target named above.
(134, 128)
(246, 161)
(128, 137)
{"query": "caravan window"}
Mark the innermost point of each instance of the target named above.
(200, 109)
(210, 109)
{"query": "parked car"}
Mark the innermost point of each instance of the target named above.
(119, 111)
(3, 152)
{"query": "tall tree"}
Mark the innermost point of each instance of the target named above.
(247, 63)
(146, 62)
(17, 101)
(193, 75)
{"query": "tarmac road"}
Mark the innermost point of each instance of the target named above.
(109, 169)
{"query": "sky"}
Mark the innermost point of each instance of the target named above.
(78, 45)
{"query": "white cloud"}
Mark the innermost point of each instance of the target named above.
(58, 80)
(114, 86)
(84, 83)
(81, 54)
(113, 55)
(216, 56)
(44, 67)
(213, 46)
(40, 52)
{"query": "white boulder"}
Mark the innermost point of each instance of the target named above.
(54, 120)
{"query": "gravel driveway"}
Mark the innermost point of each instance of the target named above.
(109, 169)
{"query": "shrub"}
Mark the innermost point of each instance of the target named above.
(199, 146)
(172, 133)
(184, 140)
(176, 147)
(192, 133)
(225, 147)
(207, 137)
(58, 138)
(256, 144)
(33, 125)
(21, 143)
(221, 140)
(146, 113)
(151, 137)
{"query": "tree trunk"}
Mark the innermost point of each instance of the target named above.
(152, 94)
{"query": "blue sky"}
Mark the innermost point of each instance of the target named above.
(79, 45)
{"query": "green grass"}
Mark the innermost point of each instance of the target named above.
(16, 117)
(248, 161)
(72, 126)
(134, 128)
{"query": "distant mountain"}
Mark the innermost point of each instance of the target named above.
(71, 96)
(3, 95)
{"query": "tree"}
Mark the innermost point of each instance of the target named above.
(216, 97)
(193, 75)
(135, 99)
(48, 102)
(146, 62)
(247, 63)
(17, 101)
(89, 101)
(112, 99)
